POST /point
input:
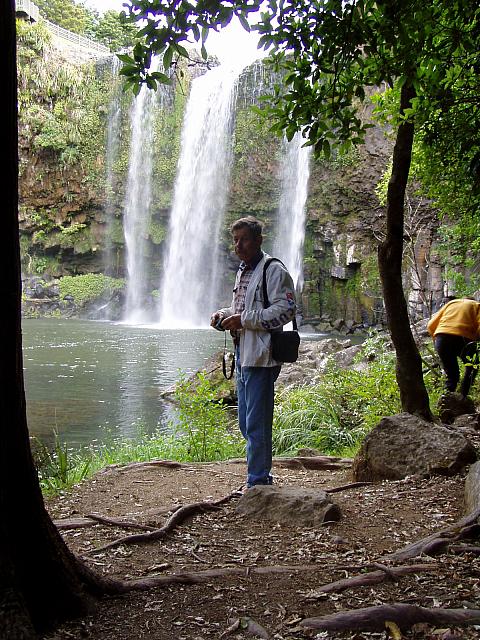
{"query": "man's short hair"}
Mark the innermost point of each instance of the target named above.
(252, 224)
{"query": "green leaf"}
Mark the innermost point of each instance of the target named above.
(243, 22)
(167, 58)
(161, 77)
(181, 50)
(326, 149)
(123, 57)
(128, 70)
(151, 82)
(138, 52)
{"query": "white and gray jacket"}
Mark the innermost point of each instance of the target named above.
(257, 322)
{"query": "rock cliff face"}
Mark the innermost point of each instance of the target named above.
(71, 215)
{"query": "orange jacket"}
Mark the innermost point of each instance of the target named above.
(458, 317)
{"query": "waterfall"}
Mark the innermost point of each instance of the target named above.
(112, 146)
(137, 204)
(189, 283)
(290, 231)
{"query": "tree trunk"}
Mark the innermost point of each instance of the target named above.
(39, 579)
(413, 394)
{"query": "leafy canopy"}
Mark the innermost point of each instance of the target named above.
(330, 52)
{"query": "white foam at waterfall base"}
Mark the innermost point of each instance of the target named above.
(290, 227)
(189, 283)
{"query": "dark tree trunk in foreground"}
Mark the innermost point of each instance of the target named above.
(39, 578)
(413, 394)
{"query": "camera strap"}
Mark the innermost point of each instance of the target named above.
(225, 358)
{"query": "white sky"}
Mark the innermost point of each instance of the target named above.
(229, 45)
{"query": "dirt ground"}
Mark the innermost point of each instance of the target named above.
(376, 519)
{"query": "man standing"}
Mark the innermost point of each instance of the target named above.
(455, 328)
(250, 324)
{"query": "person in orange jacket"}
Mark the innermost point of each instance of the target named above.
(455, 329)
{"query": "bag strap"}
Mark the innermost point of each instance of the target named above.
(266, 301)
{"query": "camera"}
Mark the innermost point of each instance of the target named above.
(218, 324)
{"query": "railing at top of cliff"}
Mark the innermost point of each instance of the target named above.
(77, 39)
(31, 10)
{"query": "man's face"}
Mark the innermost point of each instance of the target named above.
(247, 246)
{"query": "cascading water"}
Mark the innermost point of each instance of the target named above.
(138, 203)
(290, 229)
(112, 145)
(189, 282)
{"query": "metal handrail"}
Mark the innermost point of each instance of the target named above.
(33, 12)
(76, 38)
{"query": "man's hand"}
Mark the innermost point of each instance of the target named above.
(232, 322)
(215, 318)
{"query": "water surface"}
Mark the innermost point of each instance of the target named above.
(88, 379)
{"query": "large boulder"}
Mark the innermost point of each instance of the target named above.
(289, 505)
(404, 445)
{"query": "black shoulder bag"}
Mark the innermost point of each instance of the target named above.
(284, 343)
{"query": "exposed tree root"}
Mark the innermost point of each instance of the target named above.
(133, 466)
(404, 615)
(313, 462)
(93, 519)
(374, 577)
(464, 548)
(117, 522)
(115, 586)
(112, 586)
(439, 542)
(175, 520)
(74, 523)
(305, 462)
(345, 487)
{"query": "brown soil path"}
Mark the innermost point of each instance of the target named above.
(376, 519)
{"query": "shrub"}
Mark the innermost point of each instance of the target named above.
(88, 287)
(335, 414)
(203, 430)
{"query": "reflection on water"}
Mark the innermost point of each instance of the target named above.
(85, 379)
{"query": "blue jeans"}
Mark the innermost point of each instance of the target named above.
(255, 416)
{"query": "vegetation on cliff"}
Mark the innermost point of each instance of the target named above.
(109, 28)
(88, 287)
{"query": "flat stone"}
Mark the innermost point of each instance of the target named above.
(289, 505)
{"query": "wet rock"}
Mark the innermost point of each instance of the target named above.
(345, 358)
(323, 327)
(307, 328)
(404, 445)
(452, 405)
(289, 505)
